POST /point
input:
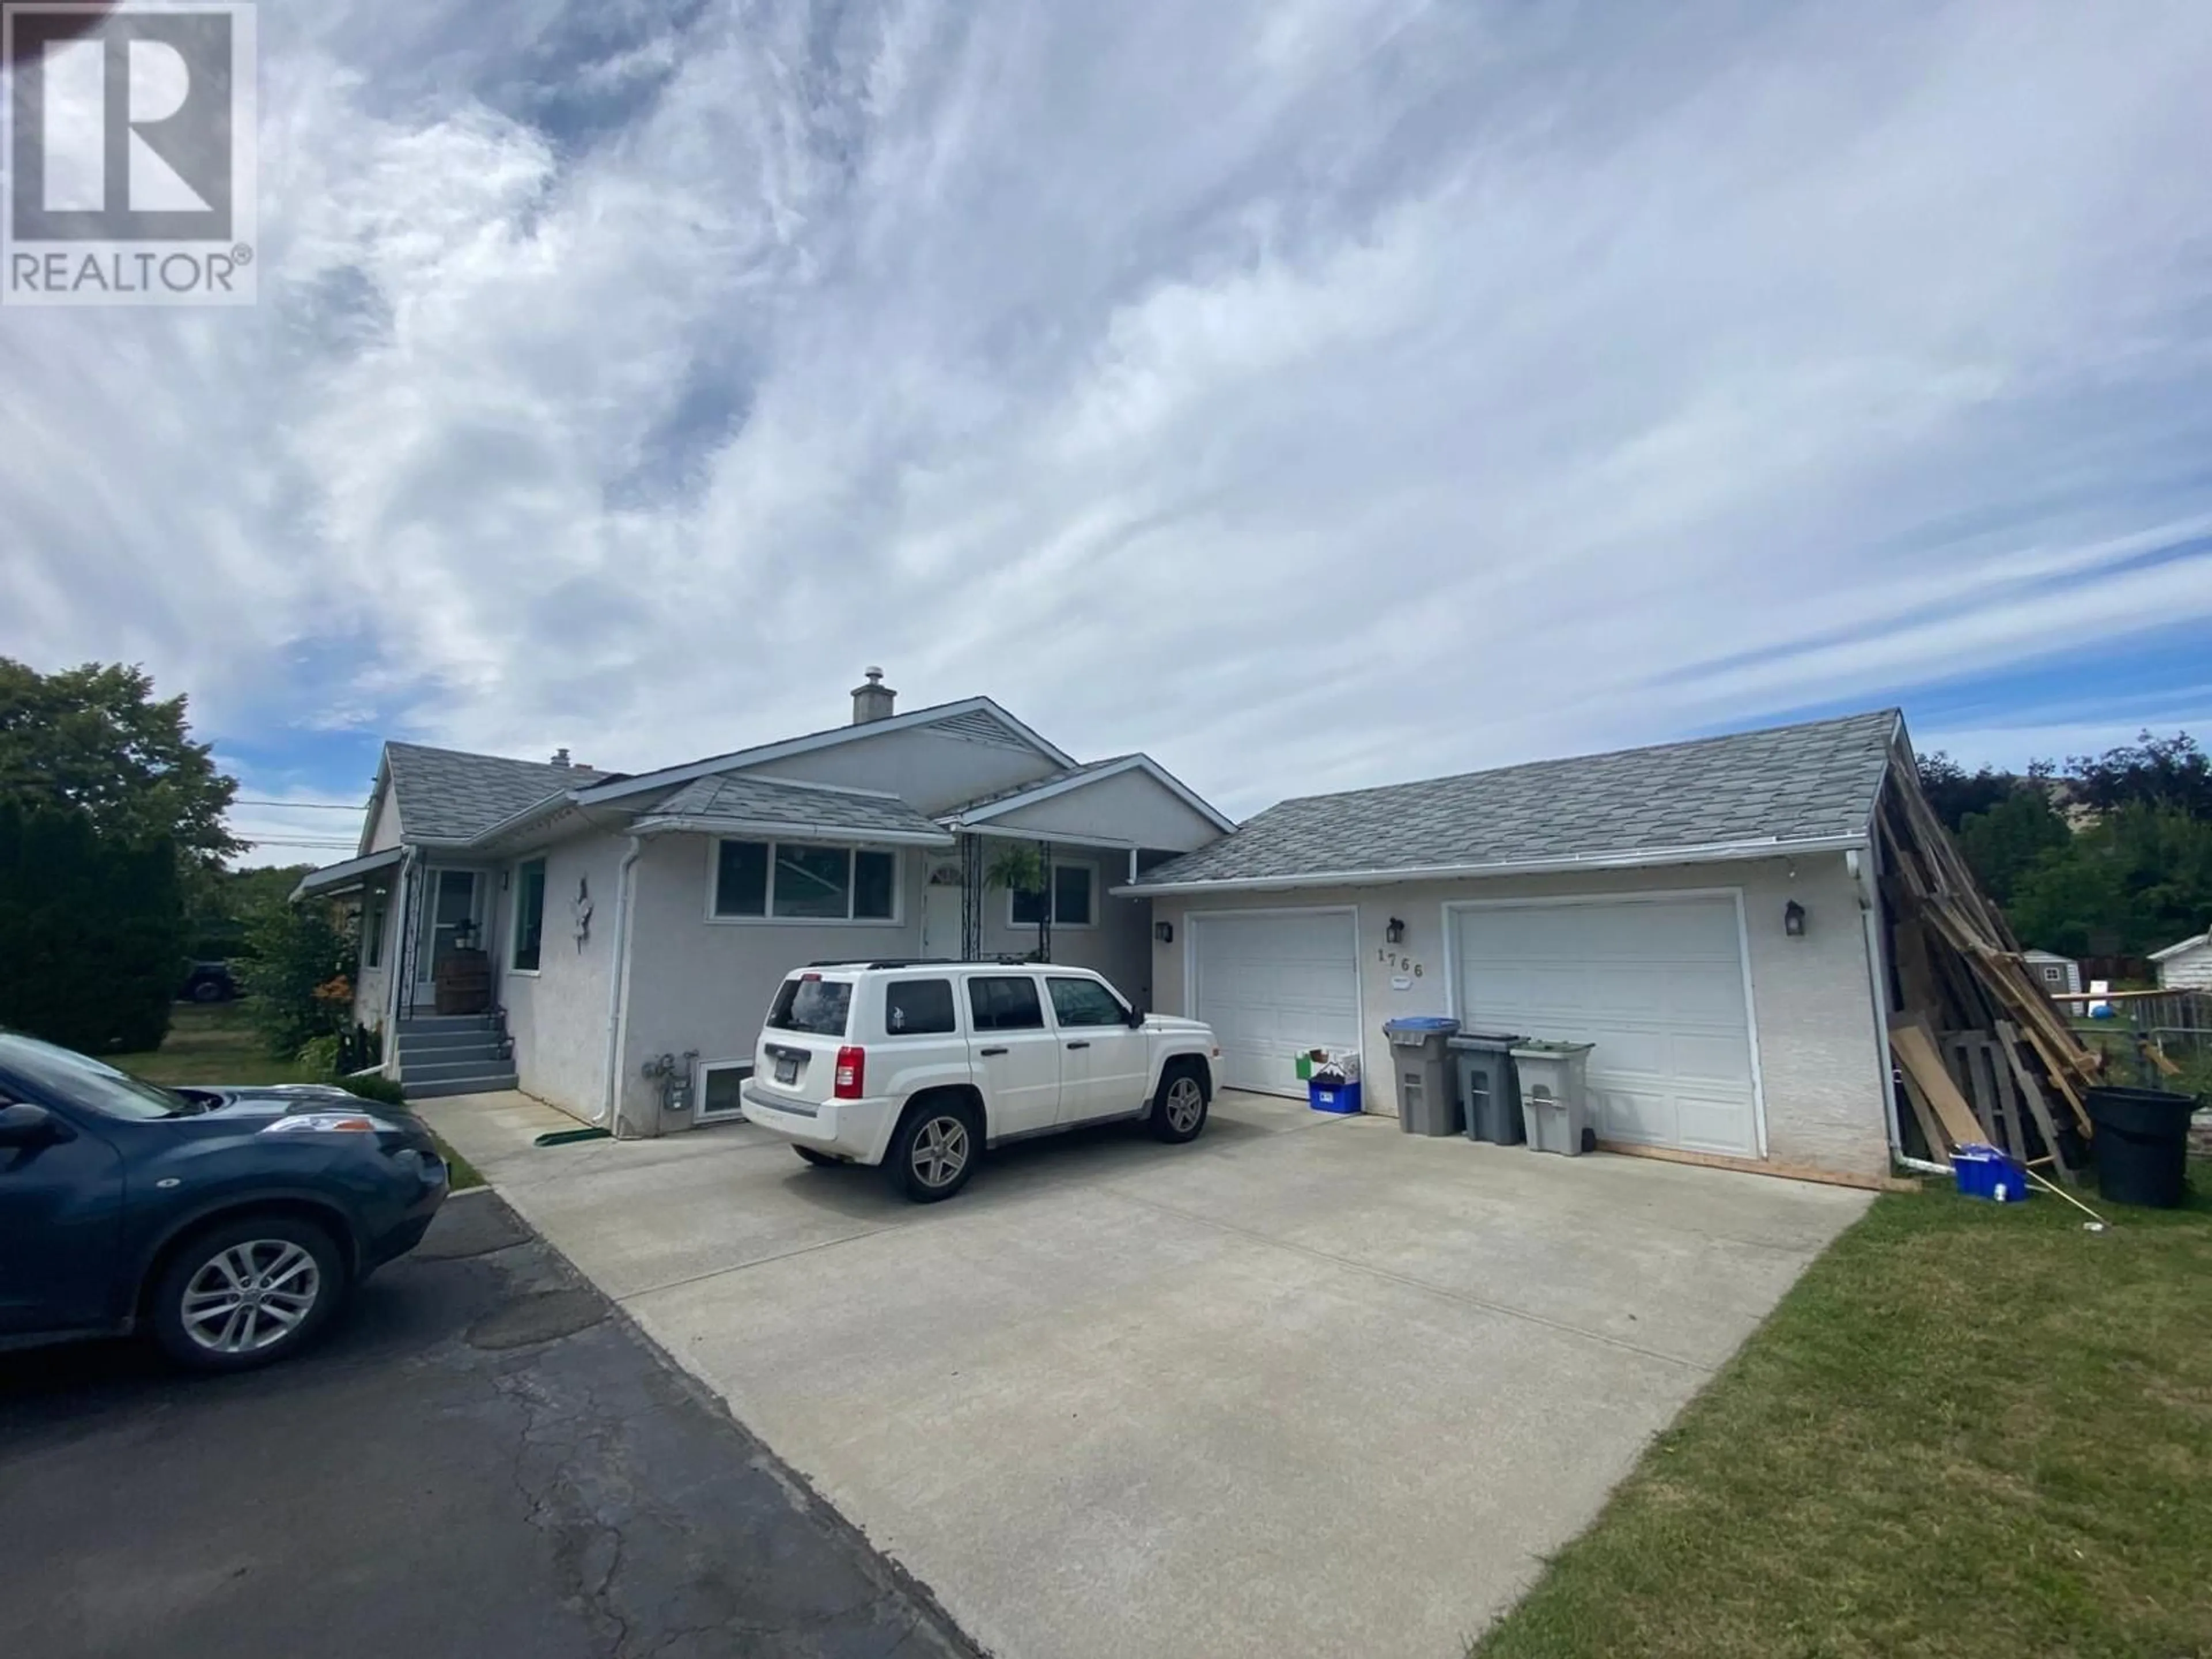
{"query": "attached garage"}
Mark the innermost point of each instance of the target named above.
(1273, 983)
(1707, 913)
(1657, 983)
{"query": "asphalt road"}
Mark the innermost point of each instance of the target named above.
(484, 1458)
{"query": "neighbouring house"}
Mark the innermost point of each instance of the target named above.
(1711, 914)
(2056, 974)
(2185, 965)
(638, 925)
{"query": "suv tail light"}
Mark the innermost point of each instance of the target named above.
(852, 1074)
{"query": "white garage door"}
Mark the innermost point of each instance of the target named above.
(1270, 985)
(1658, 985)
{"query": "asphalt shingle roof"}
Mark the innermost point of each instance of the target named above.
(446, 795)
(1049, 778)
(741, 800)
(1789, 783)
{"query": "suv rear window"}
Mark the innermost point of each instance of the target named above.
(816, 1008)
(918, 1007)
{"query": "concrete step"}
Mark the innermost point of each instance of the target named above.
(489, 1064)
(489, 1083)
(426, 1042)
(424, 1024)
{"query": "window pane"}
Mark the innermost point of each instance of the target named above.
(1071, 894)
(720, 1095)
(817, 1006)
(1029, 909)
(1005, 1004)
(875, 882)
(741, 880)
(529, 914)
(1085, 1002)
(813, 881)
(918, 1007)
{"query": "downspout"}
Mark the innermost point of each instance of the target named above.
(618, 989)
(1861, 866)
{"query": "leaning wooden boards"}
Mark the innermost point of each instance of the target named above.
(1924, 1071)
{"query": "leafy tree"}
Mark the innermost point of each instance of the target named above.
(2003, 844)
(217, 908)
(95, 740)
(1955, 792)
(2151, 772)
(296, 973)
(91, 932)
(2140, 872)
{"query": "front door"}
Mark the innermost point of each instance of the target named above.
(1014, 1053)
(941, 922)
(1103, 1062)
(61, 1232)
(452, 910)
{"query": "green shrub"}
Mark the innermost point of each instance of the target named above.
(319, 1056)
(373, 1086)
(92, 933)
(297, 977)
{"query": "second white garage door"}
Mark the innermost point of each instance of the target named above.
(1272, 984)
(1657, 985)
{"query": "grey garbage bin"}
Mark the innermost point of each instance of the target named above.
(1489, 1086)
(1417, 1059)
(1555, 1095)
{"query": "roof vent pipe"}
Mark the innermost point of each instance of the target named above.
(873, 700)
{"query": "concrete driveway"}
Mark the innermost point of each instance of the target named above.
(1310, 1386)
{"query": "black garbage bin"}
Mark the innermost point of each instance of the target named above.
(2142, 1145)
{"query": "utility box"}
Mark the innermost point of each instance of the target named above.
(1425, 1106)
(1489, 1086)
(1555, 1094)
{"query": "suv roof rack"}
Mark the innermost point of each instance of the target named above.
(930, 962)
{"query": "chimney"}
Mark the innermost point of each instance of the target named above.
(872, 701)
(560, 757)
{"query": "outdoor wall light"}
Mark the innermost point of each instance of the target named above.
(1163, 931)
(1793, 919)
(1395, 933)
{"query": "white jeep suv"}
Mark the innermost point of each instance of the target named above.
(918, 1066)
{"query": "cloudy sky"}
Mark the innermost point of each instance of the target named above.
(1312, 393)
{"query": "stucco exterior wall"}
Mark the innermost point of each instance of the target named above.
(1118, 945)
(1820, 1063)
(385, 832)
(558, 1016)
(372, 986)
(1133, 806)
(706, 985)
(930, 770)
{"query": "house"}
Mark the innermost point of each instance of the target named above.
(2056, 974)
(638, 925)
(1709, 914)
(2185, 965)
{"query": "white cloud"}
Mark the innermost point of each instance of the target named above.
(1310, 395)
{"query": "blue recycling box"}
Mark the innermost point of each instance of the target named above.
(1339, 1097)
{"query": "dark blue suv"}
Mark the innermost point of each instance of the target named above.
(230, 1223)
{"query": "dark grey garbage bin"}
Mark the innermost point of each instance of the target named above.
(1425, 1106)
(1489, 1086)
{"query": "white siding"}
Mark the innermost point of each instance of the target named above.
(1819, 1058)
(384, 833)
(2190, 970)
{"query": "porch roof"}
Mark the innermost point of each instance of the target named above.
(759, 806)
(335, 879)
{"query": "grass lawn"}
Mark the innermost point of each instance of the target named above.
(1969, 1430)
(214, 1043)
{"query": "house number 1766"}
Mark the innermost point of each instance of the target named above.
(1398, 962)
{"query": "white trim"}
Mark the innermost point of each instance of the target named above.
(618, 989)
(2174, 950)
(1716, 853)
(742, 759)
(826, 789)
(699, 1070)
(1045, 792)
(770, 919)
(333, 878)
(1098, 891)
(1058, 838)
(1192, 918)
(824, 834)
(1869, 882)
(1652, 896)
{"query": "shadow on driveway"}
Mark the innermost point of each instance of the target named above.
(482, 1458)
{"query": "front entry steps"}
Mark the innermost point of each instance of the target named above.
(454, 1054)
